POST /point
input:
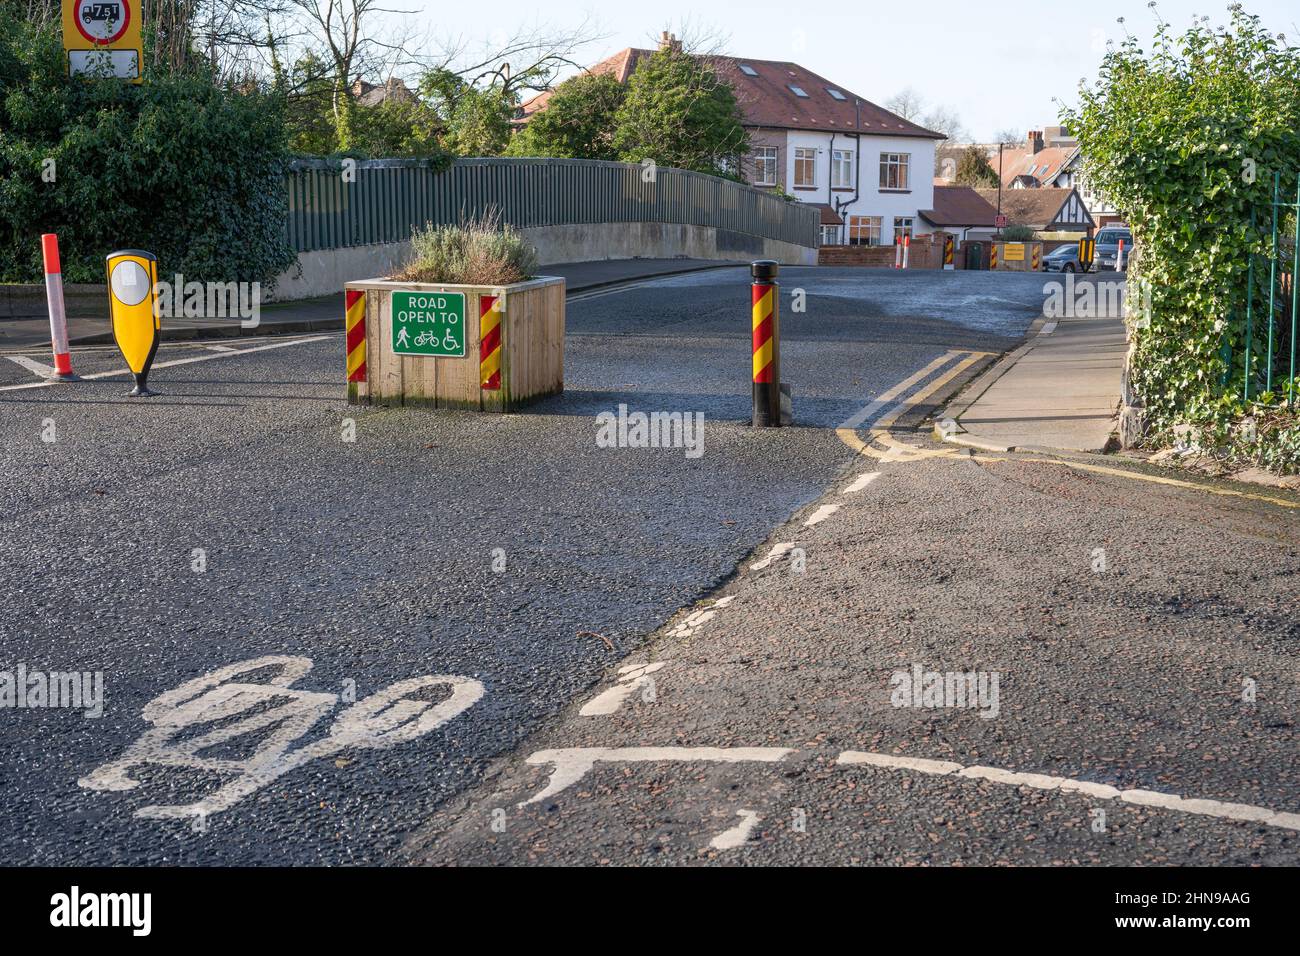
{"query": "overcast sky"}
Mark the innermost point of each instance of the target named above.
(998, 65)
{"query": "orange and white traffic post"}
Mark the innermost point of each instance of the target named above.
(766, 328)
(1119, 257)
(58, 314)
(907, 249)
(898, 252)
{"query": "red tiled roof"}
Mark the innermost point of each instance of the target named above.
(1036, 208)
(768, 99)
(959, 206)
(1046, 164)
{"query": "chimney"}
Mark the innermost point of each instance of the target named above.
(669, 42)
(1034, 141)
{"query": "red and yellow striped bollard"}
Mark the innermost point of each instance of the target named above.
(489, 349)
(766, 328)
(356, 339)
(1036, 258)
(993, 257)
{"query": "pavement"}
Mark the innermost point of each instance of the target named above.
(1060, 390)
(247, 544)
(323, 314)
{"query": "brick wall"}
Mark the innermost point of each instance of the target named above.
(926, 253)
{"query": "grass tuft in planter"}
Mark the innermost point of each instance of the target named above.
(479, 251)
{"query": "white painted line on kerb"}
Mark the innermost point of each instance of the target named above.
(1039, 781)
(737, 835)
(609, 701)
(778, 550)
(571, 764)
(218, 348)
(821, 514)
(1047, 329)
(122, 373)
(861, 482)
(39, 368)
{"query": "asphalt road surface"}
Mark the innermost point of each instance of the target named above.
(316, 624)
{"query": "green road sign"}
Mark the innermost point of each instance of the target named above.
(429, 323)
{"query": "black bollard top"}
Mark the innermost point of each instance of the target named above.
(764, 270)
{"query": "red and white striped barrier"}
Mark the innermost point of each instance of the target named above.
(58, 317)
(1119, 257)
(898, 253)
(907, 249)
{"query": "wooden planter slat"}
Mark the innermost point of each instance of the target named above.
(532, 349)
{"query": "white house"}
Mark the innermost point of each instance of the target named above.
(870, 171)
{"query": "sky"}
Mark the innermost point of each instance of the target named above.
(998, 66)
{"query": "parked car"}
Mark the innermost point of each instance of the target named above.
(1108, 240)
(1062, 259)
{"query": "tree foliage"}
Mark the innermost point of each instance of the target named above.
(974, 169)
(190, 169)
(577, 123)
(678, 112)
(1186, 140)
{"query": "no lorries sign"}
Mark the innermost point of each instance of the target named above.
(429, 323)
(102, 38)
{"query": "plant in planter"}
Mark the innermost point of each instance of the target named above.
(466, 323)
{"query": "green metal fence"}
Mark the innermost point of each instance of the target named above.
(1273, 295)
(387, 198)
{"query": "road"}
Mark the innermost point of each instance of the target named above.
(249, 517)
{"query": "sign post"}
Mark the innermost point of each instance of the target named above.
(103, 38)
(132, 278)
(429, 323)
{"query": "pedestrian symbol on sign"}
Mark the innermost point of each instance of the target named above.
(403, 338)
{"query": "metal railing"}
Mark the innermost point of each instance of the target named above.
(387, 198)
(1273, 298)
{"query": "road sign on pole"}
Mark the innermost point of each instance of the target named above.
(132, 280)
(429, 323)
(1000, 221)
(103, 38)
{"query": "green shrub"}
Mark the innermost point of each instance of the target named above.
(1018, 233)
(477, 252)
(188, 169)
(1186, 140)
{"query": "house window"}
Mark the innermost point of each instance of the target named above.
(864, 230)
(765, 166)
(894, 170)
(842, 168)
(830, 235)
(902, 228)
(805, 167)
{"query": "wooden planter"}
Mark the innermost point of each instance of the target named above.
(398, 369)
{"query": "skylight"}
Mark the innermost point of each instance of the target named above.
(748, 70)
(835, 94)
(798, 91)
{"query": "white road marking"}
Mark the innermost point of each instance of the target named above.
(778, 550)
(1146, 798)
(609, 701)
(1047, 329)
(122, 373)
(210, 710)
(861, 482)
(218, 348)
(821, 514)
(737, 835)
(571, 764)
(38, 368)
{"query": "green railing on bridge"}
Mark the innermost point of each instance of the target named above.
(388, 197)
